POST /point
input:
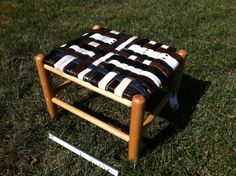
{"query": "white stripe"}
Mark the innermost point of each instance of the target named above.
(130, 68)
(114, 32)
(152, 42)
(122, 45)
(169, 60)
(63, 45)
(95, 44)
(125, 66)
(143, 50)
(147, 62)
(84, 155)
(85, 34)
(152, 53)
(84, 72)
(118, 64)
(164, 46)
(132, 57)
(96, 62)
(106, 79)
(136, 48)
(63, 62)
(82, 51)
(138, 71)
(103, 38)
(134, 70)
(108, 55)
(122, 86)
(115, 62)
(153, 77)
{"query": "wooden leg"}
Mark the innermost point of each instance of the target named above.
(176, 80)
(46, 85)
(136, 123)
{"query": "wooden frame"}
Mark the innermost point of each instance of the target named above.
(137, 105)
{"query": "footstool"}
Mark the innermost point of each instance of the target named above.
(125, 68)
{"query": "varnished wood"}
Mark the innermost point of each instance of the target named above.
(177, 76)
(92, 119)
(136, 121)
(90, 86)
(96, 27)
(63, 86)
(156, 110)
(46, 84)
(182, 53)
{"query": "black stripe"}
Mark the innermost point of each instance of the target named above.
(53, 57)
(156, 46)
(141, 42)
(158, 73)
(69, 67)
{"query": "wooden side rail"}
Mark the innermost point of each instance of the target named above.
(157, 110)
(91, 119)
(89, 86)
(62, 86)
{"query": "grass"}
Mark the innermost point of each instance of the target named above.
(198, 140)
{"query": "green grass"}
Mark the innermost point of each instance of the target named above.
(198, 140)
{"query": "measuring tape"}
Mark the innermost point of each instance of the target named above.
(85, 155)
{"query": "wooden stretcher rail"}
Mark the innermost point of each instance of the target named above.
(89, 86)
(161, 105)
(63, 86)
(91, 119)
(157, 110)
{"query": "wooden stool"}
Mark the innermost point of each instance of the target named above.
(122, 67)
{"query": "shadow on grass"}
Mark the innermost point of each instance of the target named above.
(82, 105)
(190, 92)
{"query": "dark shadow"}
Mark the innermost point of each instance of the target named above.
(78, 104)
(82, 105)
(190, 92)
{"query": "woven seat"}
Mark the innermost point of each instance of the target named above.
(124, 68)
(114, 61)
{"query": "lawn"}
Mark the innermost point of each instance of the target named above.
(199, 139)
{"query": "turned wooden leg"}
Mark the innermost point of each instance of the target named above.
(96, 27)
(136, 123)
(46, 84)
(176, 80)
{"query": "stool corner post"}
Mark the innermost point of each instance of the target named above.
(96, 27)
(183, 54)
(177, 77)
(39, 57)
(136, 123)
(46, 84)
